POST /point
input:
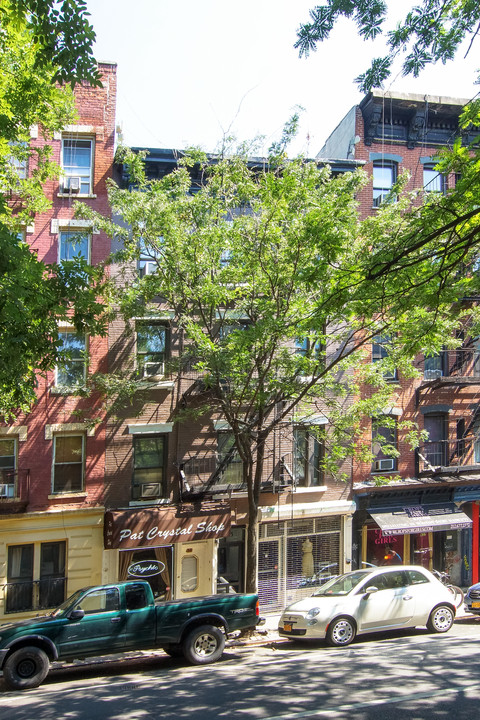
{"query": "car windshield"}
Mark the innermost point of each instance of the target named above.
(342, 585)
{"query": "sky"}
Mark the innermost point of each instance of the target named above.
(190, 73)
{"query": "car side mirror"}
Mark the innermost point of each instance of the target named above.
(371, 589)
(76, 614)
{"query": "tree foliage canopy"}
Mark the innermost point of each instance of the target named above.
(265, 256)
(431, 31)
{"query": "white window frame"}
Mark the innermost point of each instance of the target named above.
(67, 230)
(142, 365)
(380, 189)
(86, 177)
(7, 489)
(75, 361)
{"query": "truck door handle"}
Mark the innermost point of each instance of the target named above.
(115, 619)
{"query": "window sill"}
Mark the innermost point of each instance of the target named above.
(75, 495)
(74, 196)
(150, 501)
(77, 390)
(156, 384)
(309, 490)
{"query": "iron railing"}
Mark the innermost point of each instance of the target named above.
(460, 363)
(449, 453)
(14, 485)
(22, 596)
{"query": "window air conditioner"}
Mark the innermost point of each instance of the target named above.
(6, 490)
(433, 374)
(150, 490)
(71, 184)
(386, 464)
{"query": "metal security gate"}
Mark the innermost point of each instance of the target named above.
(295, 557)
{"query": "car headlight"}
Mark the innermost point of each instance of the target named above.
(313, 612)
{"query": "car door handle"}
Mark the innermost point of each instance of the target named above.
(407, 597)
(115, 619)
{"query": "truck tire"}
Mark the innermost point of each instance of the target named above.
(173, 650)
(25, 668)
(204, 645)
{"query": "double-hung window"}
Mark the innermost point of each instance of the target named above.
(433, 181)
(68, 463)
(77, 165)
(310, 349)
(380, 353)
(36, 576)
(384, 444)
(71, 371)
(148, 260)
(152, 339)
(149, 455)
(232, 472)
(8, 456)
(308, 455)
(384, 178)
(74, 244)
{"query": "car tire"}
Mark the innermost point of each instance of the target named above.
(341, 632)
(25, 668)
(203, 645)
(173, 650)
(441, 619)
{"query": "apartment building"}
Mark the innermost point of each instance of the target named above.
(423, 503)
(53, 459)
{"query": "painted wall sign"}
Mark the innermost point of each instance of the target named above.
(145, 568)
(126, 529)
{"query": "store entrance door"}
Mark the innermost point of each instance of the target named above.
(194, 568)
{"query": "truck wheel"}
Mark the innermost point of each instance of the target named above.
(204, 645)
(26, 667)
(173, 650)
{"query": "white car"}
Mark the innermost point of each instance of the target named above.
(370, 600)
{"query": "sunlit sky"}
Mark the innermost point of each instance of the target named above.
(191, 72)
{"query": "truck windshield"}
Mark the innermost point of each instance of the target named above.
(342, 585)
(69, 602)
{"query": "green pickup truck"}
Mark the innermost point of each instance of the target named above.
(120, 617)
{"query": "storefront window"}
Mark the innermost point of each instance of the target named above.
(151, 564)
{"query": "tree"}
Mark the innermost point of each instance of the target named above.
(432, 31)
(37, 49)
(265, 256)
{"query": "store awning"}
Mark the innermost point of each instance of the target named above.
(411, 519)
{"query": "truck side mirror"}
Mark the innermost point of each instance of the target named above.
(76, 614)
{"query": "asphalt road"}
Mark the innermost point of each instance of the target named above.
(413, 675)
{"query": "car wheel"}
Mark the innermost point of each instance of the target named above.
(441, 619)
(173, 650)
(204, 645)
(341, 632)
(25, 668)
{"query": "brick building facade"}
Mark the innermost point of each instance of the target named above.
(53, 459)
(424, 503)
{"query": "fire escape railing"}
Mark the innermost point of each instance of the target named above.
(463, 452)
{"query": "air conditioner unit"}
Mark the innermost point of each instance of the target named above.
(433, 374)
(150, 490)
(153, 369)
(6, 490)
(386, 464)
(71, 184)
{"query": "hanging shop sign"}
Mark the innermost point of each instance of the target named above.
(145, 568)
(125, 529)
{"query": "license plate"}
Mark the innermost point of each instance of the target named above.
(288, 627)
(476, 604)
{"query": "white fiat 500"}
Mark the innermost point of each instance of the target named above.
(370, 600)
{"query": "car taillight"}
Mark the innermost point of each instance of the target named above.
(257, 609)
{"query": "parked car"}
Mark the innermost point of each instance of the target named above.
(370, 600)
(472, 599)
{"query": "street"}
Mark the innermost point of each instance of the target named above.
(412, 674)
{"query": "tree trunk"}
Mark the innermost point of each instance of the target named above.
(253, 477)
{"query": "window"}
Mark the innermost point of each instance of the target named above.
(435, 449)
(189, 573)
(33, 586)
(151, 349)
(73, 367)
(311, 349)
(433, 181)
(384, 177)
(380, 352)
(8, 455)
(18, 159)
(384, 445)
(68, 463)
(308, 455)
(77, 166)
(149, 454)
(148, 259)
(232, 473)
(74, 244)
(433, 367)
(99, 601)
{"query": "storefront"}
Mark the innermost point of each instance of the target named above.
(174, 548)
(435, 534)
